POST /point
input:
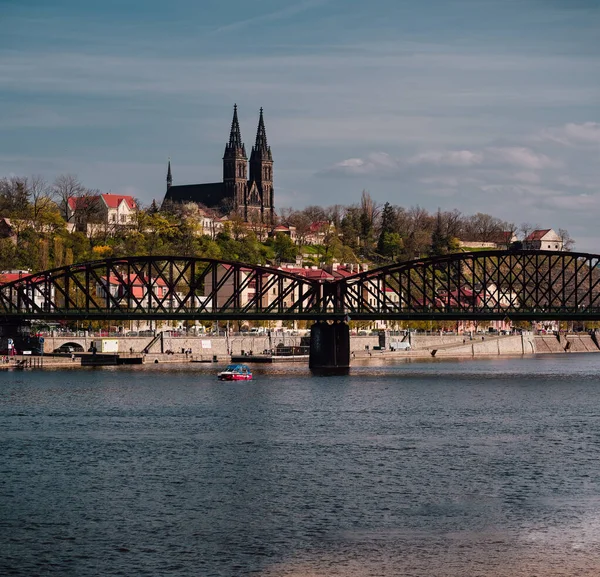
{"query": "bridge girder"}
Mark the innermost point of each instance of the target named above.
(491, 285)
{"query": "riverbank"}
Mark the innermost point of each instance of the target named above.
(221, 349)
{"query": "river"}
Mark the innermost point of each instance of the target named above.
(445, 468)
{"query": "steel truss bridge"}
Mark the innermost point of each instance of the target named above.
(491, 285)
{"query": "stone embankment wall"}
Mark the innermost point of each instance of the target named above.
(521, 344)
(445, 345)
(203, 346)
(507, 345)
(419, 342)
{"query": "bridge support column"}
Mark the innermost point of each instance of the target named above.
(329, 348)
(15, 338)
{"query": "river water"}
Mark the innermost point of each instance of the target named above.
(445, 468)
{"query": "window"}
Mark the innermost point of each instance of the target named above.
(123, 218)
(113, 218)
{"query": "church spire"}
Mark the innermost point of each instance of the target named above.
(169, 176)
(235, 135)
(261, 148)
(261, 135)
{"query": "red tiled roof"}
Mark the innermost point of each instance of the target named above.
(319, 226)
(114, 200)
(538, 234)
(8, 277)
(81, 202)
(11, 276)
(134, 280)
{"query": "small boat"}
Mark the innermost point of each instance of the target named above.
(236, 373)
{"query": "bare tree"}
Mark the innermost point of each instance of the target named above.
(40, 194)
(66, 187)
(14, 197)
(567, 241)
(302, 222)
(527, 228)
(285, 213)
(483, 227)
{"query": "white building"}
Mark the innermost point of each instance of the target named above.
(95, 214)
(545, 239)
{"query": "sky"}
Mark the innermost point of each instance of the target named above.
(477, 105)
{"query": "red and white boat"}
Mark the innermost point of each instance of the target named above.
(236, 373)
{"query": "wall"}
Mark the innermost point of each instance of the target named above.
(218, 345)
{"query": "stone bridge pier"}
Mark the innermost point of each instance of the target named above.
(329, 348)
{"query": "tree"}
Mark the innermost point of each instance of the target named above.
(153, 208)
(40, 194)
(14, 197)
(439, 237)
(392, 245)
(66, 187)
(567, 241)
(368, 212)
(484, 228)
(351, 227)
(389, 224)
(527, 228)
(302, 222)
(284, 248)
(238, 226)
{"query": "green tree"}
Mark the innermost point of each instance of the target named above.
(439, 238)
(391, 244)
(284, 248)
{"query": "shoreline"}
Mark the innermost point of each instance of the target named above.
(512, 346)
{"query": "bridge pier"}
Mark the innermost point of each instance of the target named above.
(15, 338)
(329, 348)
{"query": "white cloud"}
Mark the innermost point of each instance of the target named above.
(572, 134)
(519, 156)
(374, 163)
(434, 160)
(448, 158)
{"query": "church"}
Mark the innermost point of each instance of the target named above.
(250, 196)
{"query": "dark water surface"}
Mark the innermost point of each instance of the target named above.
(442, 468)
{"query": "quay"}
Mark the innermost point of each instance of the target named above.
(422, 346)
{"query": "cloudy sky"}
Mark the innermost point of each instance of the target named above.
(480, 105)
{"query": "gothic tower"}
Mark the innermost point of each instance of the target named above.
(235, 164)
(261, 173)
(169, 176)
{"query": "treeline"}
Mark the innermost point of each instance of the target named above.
(395, 233)
(39, 238)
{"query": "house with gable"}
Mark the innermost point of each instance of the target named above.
(101, 213)
(545, 239)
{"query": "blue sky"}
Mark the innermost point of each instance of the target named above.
(480, 105)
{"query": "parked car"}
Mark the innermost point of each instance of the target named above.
(64, 349)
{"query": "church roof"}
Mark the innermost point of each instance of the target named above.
(210, 195)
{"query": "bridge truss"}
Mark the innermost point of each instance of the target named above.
(520, 285)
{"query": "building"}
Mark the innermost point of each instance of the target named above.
(251, 196)
(545, 239)
(7, 230)
(141, 291)
(39, 295)
(95, 214)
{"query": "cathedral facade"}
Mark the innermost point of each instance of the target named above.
(250, 195)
